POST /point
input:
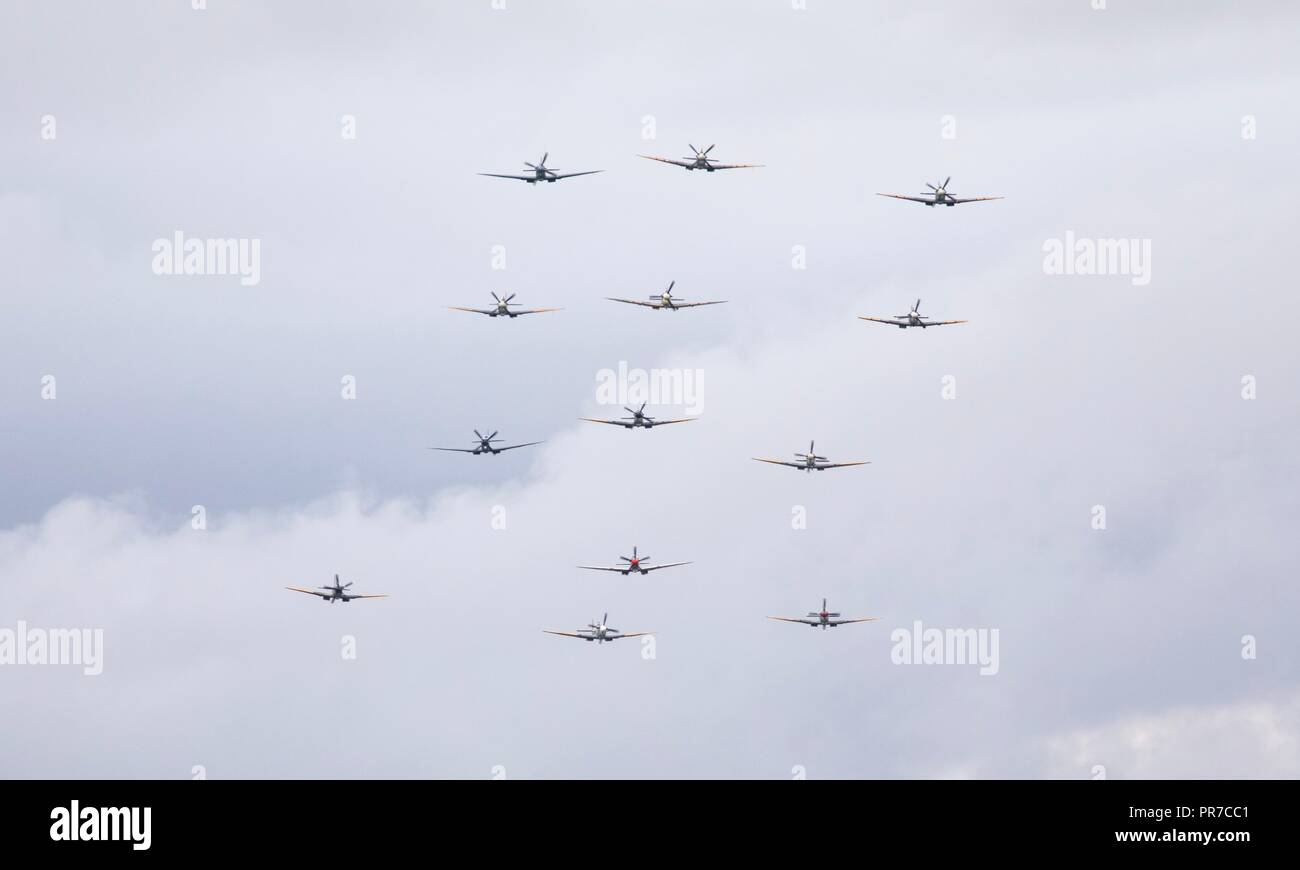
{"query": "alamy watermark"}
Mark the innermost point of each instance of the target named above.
(53, 646)
(628, 386)
(946, 646)
(181, 256)
(1076, 256)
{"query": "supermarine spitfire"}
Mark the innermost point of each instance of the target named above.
(636, 563)
(665, 300)
(598, 631)
(638, 420)
(337, 592)
(911, 318)
(502, 308)
(541, 172)
(485, 445)
(702, 160)
(810, 461)
(824, 618)
(939, 196)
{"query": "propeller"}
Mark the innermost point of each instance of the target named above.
(541, 166)
(701, 155)
(667, 294)
(812, 452)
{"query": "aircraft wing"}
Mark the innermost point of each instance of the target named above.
(666, 160)
(678, 420)
(945, 322)
(513, 446)
(565, 634)
(736, 166)
(792, 619)
(602, 568)
(975, 198)
(848, 621)
(629, 634)
(607, 422)
(454, 449)
(634, 302)
(779, 462)
(840, 464)
(882, 320)
(694, 304)
(657, 567)
(518, 177)
(308, 591)
(558, 175)
(351, 597)
(474, 310)
(534, 310)
(924, 199)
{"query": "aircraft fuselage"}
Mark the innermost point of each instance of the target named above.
(941, 197)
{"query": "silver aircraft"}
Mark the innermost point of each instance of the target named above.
(911, 318)
(636, 563)
(665, 300)
(540, 172)
(702, 160)
(810, 461)
(502, 308)
(824, 618)
(485, 445)
(939, 196)
(598, 631)
(638, 420)
(337, 592)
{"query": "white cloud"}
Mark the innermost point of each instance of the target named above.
(1253, 738)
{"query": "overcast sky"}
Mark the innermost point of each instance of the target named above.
(1170, 122)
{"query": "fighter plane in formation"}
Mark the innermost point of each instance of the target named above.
(541, 172)
(636, 563)
(503, 308)
(638, 420)
(824, 618)
(485, 445)
(939, 196)
(598, 632)
(665, 300)
(911, 318)
(337, 592)
(810, 461)
(702, 160)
